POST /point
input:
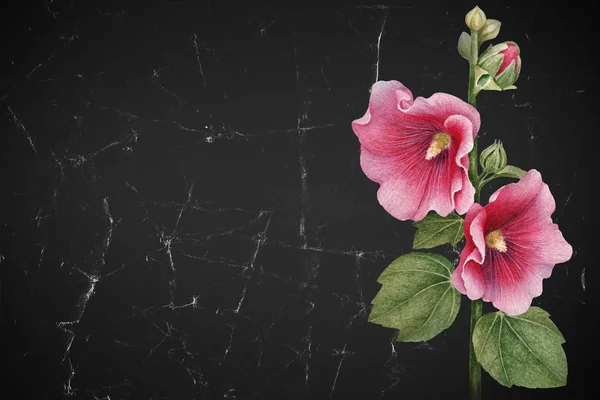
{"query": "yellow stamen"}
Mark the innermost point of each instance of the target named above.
(439, 142)
(494, 240)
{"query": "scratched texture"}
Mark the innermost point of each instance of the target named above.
(185, 217)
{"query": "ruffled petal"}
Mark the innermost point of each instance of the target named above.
(468, 277)
(441, 106)
(395, 134)
(400, 193)
(511, 284)
(474, 280)
(522, 213)
(463, 192)
(378, 129)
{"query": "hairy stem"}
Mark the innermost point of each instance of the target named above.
(474, 366)
(472, 100)
(476, 305)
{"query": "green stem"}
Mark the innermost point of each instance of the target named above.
(472, 100)
(474, 366)
(476, 305)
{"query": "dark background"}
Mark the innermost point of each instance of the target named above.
(184, 214)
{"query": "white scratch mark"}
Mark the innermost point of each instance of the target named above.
(198, 60)
(68, 390)
(263, 29)
(109, 234)
(301, 159)
(228, 349)
(41, 255)
(307, 354)
(19, 125)
(379, 44)
(342, 354)
(242, 297)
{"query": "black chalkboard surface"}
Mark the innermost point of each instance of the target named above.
(185, 215)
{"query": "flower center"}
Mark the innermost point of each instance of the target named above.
(439, 142)
(494, 240)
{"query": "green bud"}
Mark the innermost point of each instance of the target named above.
(475, 19)
(490, 30)
(493, 159)
(503, 63)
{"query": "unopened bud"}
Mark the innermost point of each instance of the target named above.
(475, 19)
(493, 159)
(490, 30)
(503, 63)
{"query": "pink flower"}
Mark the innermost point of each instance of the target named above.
(417, 150)
(511, 246)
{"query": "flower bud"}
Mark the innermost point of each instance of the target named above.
(493, 159)
(490, 30)
(475, 19)
(503, 63)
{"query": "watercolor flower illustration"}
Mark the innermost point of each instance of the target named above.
(511, 245)
(417, 150)
(424, 154)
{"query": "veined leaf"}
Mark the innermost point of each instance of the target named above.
(434, 230)
(523, 350)
(417, 297)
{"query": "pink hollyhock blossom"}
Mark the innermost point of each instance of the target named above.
(417, 150)
(511, 245)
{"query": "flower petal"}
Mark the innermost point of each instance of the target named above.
(468, 278)
(395, 134)
(400, 194)
(463, 192)
(522, 213)
(377, 129)
(510, 284)
(441, 106)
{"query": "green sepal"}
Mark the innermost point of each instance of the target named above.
(510, 74)
(510, 171)
(464, 46)
(492, 51)
(492, 63)
(484, 81)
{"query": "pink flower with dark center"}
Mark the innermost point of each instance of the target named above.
(417, 150)
(511, 246)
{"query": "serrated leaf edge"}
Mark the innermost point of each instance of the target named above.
(502, 318)
(530, 350)
(418, 246)
(412, 270)
(410, 298)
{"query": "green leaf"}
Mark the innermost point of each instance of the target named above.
(434, 230)
(464, 46)
(510, 172)
(524, 350)
(417, 297)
